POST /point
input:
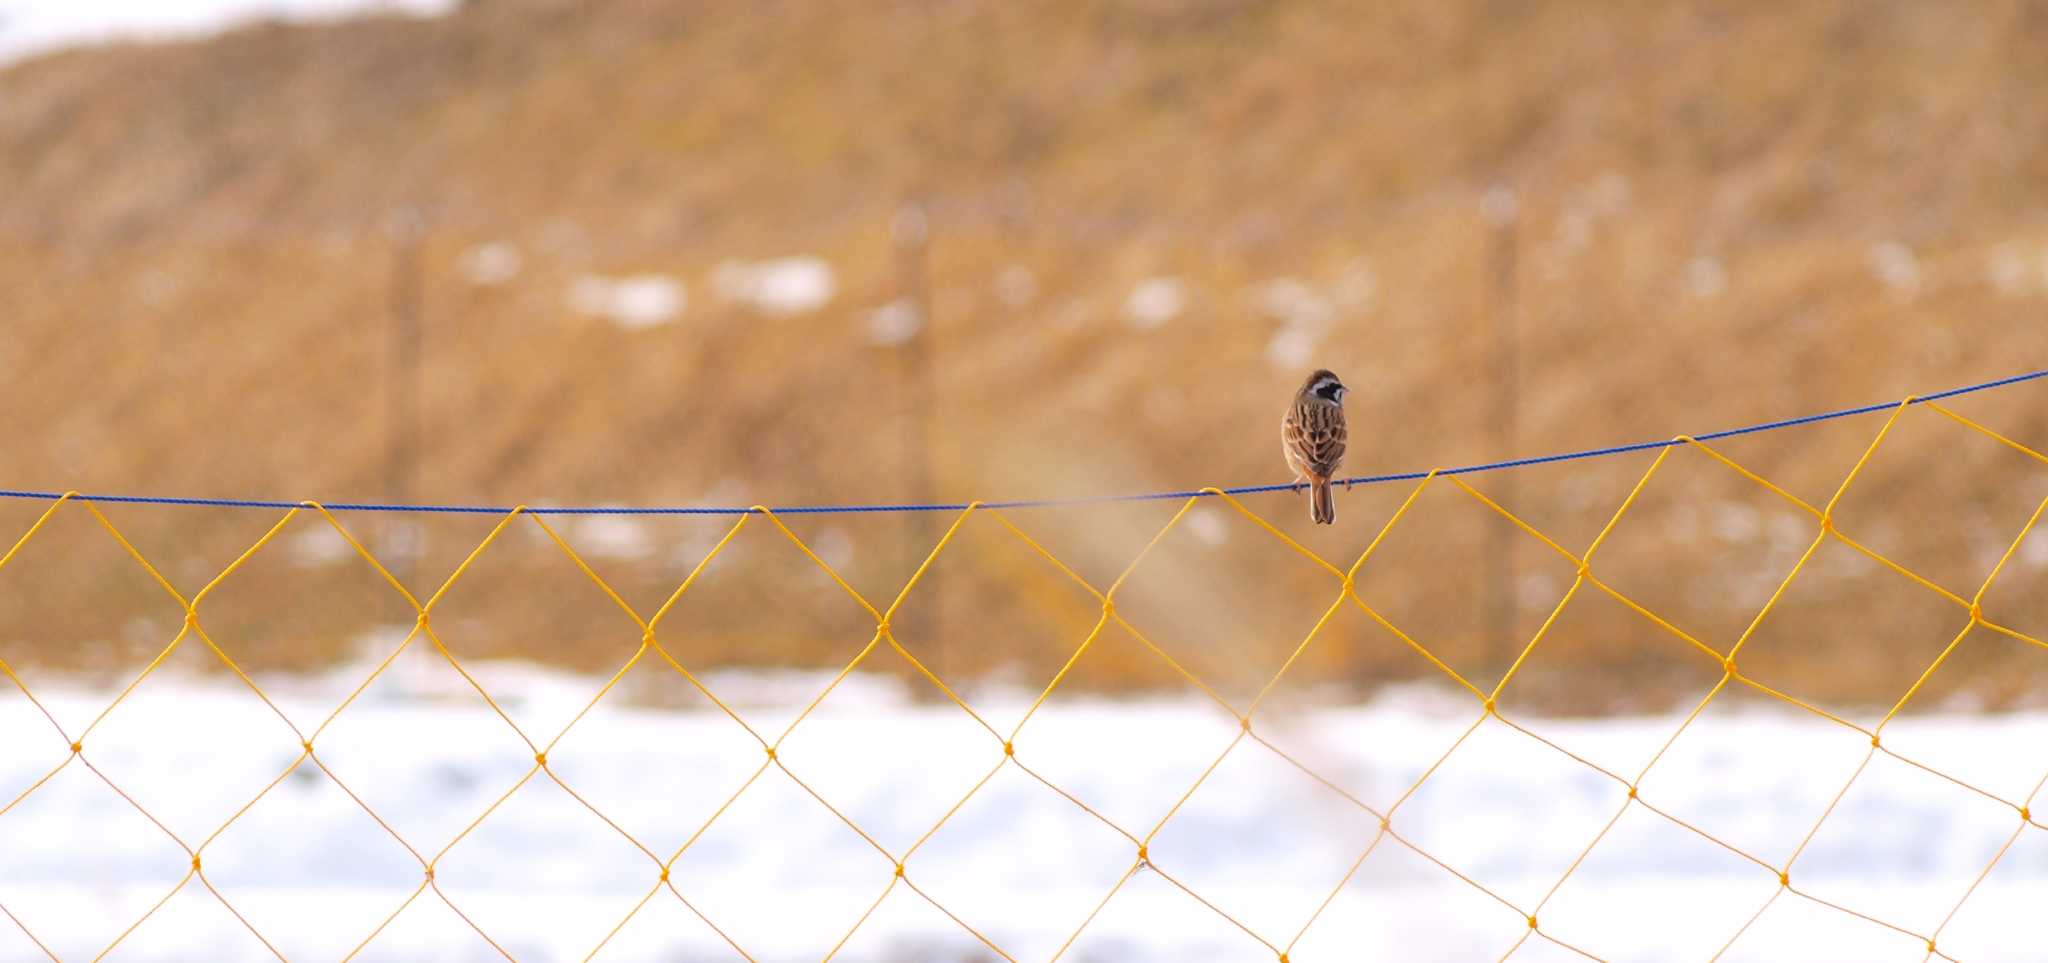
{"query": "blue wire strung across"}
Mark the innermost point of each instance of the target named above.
(1019, 503)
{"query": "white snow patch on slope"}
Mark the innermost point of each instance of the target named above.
(33, 26)
(611, 536)
(895, 323)
(1155, 301)
(640, 301)
(492, 264)
(779, 286)
(1305, 315)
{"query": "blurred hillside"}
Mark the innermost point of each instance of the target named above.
(655, 266)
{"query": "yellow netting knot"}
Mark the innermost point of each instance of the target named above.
(421, 621)
(664, 874)
(771, 752)
(1873, 740)
(1784, 879)
(1489, 705)
(1109, 608)
(1386, 826)
(540, 759)
(430, 872)
(191, 618)
(1245, 723)
(1283, 958)
(77, 747)
(899, 870)
(1585, 569)
(2026, 815)
(1009, 750)
(1930, 946)
(1143, 857)
(1728, 664)
(1532, 922)
(1976, 613)
(1631, 792)
(646, 636)
(306, 744)
(195, 862)
(882, 626)
(1827, 522)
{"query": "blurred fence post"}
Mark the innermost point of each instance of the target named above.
(401, 456)
(1501, 211)
(910, 231)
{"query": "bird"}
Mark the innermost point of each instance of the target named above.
(1312, 436)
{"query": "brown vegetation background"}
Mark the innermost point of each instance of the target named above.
(1728, 213)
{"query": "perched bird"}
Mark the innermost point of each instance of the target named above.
(1312, 436)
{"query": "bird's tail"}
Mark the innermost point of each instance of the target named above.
(1322, 505)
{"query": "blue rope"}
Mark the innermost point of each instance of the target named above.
(1023, 503)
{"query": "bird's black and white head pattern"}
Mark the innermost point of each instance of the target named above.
(1324, 386)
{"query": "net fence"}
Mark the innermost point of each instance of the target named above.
(1008, 746)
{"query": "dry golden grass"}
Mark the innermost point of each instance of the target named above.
(195, 270)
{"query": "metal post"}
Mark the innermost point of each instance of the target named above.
(911, 233)
(1502, 214)
(401, 541)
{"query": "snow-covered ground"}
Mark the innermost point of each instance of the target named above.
(33, 26)
(786, 879)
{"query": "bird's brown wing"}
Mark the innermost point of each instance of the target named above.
(1322, 437)
(1291, 441)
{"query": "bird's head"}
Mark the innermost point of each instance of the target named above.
(1325, 385)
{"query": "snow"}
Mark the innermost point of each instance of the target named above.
(1499, 206)
(1538, 590)
(491, 265)
(1305, 317)
(1580, 212)
(2034, 551)
(779, 286)
(611, 536)
(33, 26)
(1705, 277)
(1294, 302)
(400, 540)
(1016, 286)
(1208, 525)
(1736, 522)
(1896, 268)
(785, 878)
(2015, 270)
(894, 323)
(633, 303)
(1153, 302)
(1574, 230)
(1293, 348)
(2008, 270)
(317, 545)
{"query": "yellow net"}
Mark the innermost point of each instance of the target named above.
(1008, 747)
